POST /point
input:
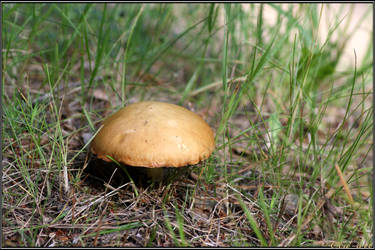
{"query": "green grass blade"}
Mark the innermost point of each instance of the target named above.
(252, 221)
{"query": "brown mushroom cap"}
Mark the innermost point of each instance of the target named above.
(154, 134)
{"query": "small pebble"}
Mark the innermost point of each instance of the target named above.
(291, 204)
(86, 137)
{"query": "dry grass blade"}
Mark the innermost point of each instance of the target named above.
(66, 180)
(344, 184)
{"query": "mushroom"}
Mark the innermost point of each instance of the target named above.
(154, 136)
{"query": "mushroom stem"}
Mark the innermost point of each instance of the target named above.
(155, 174)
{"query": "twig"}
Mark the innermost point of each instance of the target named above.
(218, 233)
(100, 224)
